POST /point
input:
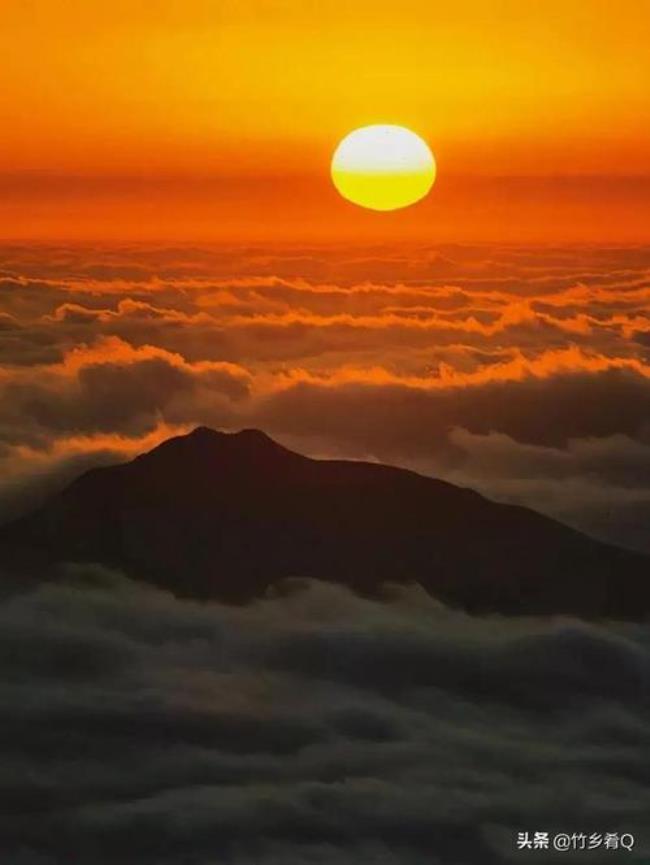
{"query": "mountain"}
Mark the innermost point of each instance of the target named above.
(222, 515)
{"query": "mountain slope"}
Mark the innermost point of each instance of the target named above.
(217, 515)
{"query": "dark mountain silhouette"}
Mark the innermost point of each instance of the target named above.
(216, 515)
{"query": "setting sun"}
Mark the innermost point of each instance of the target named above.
(383, 167)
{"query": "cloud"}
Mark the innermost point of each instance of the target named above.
(310, 727)
(111, 386)
(534, 409)
(372, 352)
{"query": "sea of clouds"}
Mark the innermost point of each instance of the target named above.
(312, 727)
(523, 372)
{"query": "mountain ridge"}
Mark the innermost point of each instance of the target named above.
(223, 515)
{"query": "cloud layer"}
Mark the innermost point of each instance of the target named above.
(522, 372)
(311, 728)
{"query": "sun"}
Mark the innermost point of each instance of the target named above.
(383, 167)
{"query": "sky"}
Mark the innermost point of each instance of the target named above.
(195, 120)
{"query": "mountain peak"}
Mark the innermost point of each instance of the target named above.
(247, 439)
(207, 437)
(205, 447)
(208, 434)
(202, 432)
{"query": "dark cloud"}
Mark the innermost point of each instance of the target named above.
(113, 389)
(536, 411)
(311, 727)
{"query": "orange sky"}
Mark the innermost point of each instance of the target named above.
(197, 119)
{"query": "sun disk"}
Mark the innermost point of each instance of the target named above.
(383, 167)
